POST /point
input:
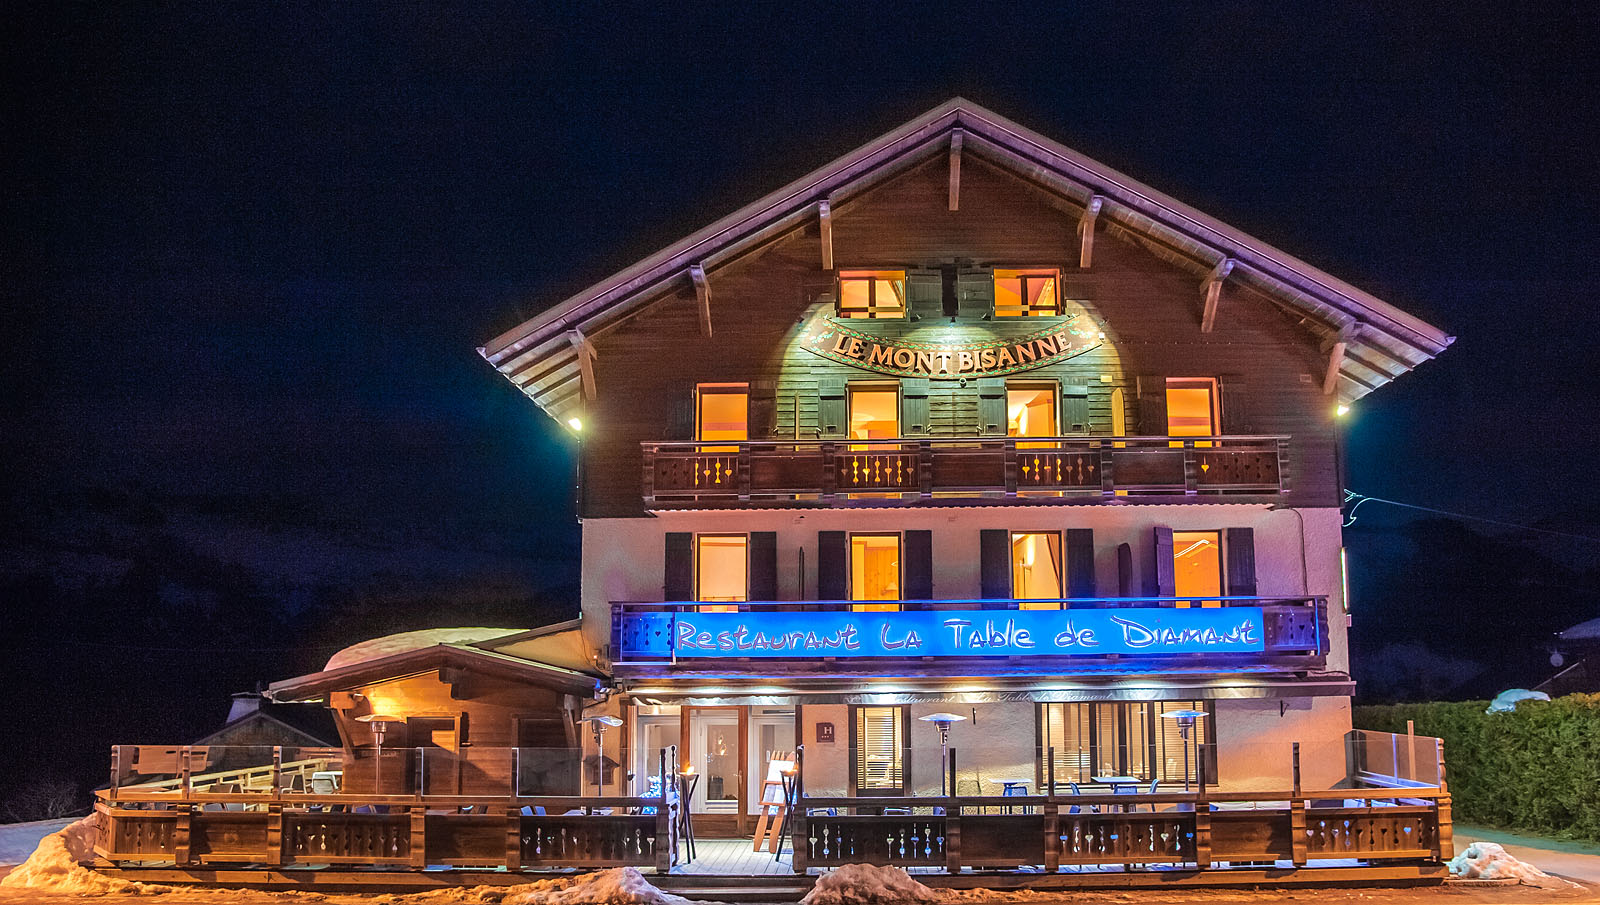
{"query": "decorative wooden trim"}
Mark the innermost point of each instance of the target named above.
(1336, 353)
(955, 169)
(1091, 213)
(1213, 289)
(825, 222)
(702, 291)
(586, 356)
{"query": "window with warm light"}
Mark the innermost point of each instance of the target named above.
(1036, 570)
(722, 412)
(1197, 565)
(1030, 410)
(872, 294)
(1027, 293)
(722, 570)
(875, 570)
(1192, 408)
(1083, 740)
(879, 750)
(874, 412)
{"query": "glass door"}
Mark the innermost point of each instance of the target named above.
(771, 752)
(714, 752)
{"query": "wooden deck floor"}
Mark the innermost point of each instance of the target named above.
(734, 857)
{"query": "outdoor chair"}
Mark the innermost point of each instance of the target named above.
(1078, 793)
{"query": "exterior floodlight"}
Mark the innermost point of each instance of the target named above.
(1185, 720)
(1341, 410)
(577, 423)
(944, 721)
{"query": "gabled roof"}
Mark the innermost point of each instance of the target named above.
(541, 356)
(426, 659)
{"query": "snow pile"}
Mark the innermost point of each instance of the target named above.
(1490, 861)
(389, 645)
(617, 886)
(867, 884)
(53, 867)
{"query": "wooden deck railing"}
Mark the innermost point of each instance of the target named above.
(841, 472)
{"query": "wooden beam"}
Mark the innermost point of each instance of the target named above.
(702, 289)
(586, 356)
(955, 169)
(1086, 231)
(826, 220)
(1330, 380)
(1213, 289)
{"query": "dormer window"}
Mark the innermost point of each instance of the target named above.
(872, 294)
(1027, 293)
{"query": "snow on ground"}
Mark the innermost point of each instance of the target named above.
(18, 840)
(1489, 861)
(53, 867)
(866, 884)
(617, 886)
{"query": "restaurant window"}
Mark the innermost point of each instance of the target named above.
(1026, 293)
(1197, 566)
(722, 571)
(1036, 569)
(875, 571)
(1192, 408)
(722, 412)
(878, 744)
(872, 294)
(874, 412)
(1091, 743)
(1030, 409)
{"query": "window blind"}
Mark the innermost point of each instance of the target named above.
(878, 753)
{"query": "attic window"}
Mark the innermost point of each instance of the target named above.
(872, 293)
(1026, 293)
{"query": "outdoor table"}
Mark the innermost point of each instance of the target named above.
(1116, 783)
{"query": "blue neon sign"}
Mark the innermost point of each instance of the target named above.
(1148, 631)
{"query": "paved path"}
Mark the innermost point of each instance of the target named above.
(1577, 860)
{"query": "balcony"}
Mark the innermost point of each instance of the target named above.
(942, 637)
(691, 475)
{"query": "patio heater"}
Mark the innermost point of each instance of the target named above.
(380, 726)
(944, 721)
(1186, 720)
(600, 724)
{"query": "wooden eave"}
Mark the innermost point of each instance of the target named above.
(428, 659)
(1382, 341)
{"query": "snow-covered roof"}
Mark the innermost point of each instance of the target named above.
(389, 645)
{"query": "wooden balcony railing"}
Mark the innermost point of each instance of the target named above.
(839, 472)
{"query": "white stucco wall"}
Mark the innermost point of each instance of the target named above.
(1255, 740)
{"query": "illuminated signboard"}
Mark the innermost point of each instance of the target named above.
(907, 357)
(1149, 631)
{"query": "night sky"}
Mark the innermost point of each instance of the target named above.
(251, 248)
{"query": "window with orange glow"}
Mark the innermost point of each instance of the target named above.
(722, 570)
(875, 570)
(1030, 409)
(872, 293)
(1026, 293)
(1036, 569)
(874, 413)
(1197, 565)
(1192, 408)
(723, 412)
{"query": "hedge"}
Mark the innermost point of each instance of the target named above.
(1535, 770)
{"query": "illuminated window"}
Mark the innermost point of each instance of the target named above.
(1036, 569)
(1026, 293)
(875, 570)
(722, 570)
(1197, 565)
(722, 412)
(1030, 411)
(872, 293)
(879, 745)
(874, 412)
(1121, 739)
(1192, 408)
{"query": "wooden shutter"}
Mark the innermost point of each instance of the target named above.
(763, 409)
(994, 551)
(913, 406)
(681, 399)
(763, 566)
(1241, 550)
(992, 407)
(917, 553)
(1124, 570)
(1075, 409)
(975, 292)
(679, 571)
(1162, 580)
(1152, 406)
(833, 565)
(832, 417)
(1080, 562)
(924, 293)
(1235, 411)
(950, 293)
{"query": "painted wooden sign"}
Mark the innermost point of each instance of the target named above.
(839, 341)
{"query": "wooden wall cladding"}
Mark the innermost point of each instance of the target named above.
(1149, 309)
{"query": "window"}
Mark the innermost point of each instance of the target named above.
(875, 571)
(879, 741)
(1121, 739)
(1197, 565)
(1026, 293)
(721, 570)
(1036, 569)
(1192, 408)
(722, 412)
(1030, 410)
(872, 293)
(874, 412)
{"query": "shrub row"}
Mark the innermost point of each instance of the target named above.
(1535, 770)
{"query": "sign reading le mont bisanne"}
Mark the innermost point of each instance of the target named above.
(970, 633)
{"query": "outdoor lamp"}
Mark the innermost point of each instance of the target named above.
(380, 725)
(944, 721)
(1185, 720)
(600, 724)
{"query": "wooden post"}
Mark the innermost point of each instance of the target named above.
(1297, 830)
(1052, 837)
(274, 834)
(664, 847)
(1213, 291)
(419, 838)
(702, 291)
(1202, 831)
(513, 839)
(955, 170)
(183, 770)
(1444, 840)
(952, 823)
(799, 831)
(181, 840)
(825, 219)
(277, 771)
(1295, 755)
(1091, 211)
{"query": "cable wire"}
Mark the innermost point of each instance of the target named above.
(1359, 498)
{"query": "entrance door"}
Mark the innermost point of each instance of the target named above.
(771, 736)
(715, 754)
(434, 739)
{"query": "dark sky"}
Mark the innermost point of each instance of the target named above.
(252, 247)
